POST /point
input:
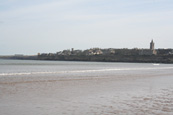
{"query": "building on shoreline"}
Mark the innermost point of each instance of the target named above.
(150, 55)
(150, 51)
(111, 51)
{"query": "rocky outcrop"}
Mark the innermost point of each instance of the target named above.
(112, 58)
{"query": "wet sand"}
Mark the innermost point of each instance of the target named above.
(118, 94)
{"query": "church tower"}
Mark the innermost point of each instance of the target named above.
(152, 45)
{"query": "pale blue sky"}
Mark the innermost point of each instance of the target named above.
(32, 26)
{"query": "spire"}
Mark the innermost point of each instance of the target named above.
(152, 45)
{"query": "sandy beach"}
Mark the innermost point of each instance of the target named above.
(118, 94)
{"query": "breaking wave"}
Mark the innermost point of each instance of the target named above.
(82, 71)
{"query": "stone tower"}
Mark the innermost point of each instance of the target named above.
(152, 45)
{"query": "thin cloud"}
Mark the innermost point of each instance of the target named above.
(34, 9)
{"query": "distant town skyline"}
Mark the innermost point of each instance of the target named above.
(32, 26)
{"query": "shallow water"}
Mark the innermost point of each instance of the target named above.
(87, 88)
(39, 68)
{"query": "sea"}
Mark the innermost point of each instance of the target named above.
(34, 68)
(34, 87)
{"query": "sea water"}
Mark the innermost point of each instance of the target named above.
(64, 68)
(39, 68)
(85, 88)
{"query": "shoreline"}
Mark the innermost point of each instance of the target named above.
(157, 62)
(112, 58)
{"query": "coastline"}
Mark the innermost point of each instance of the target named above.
(166, 59)
(112, 58)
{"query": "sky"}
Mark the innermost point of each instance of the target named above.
(41, 26)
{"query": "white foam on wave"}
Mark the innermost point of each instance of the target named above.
(83, 71)
(156, 64)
